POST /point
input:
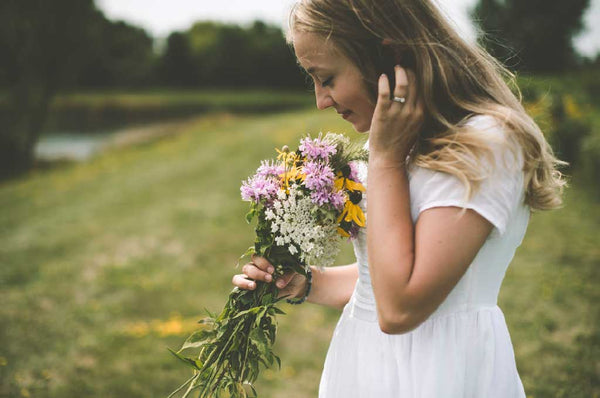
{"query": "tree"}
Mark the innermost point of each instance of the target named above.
(42, 43)
(532, 35)
(178, 66)
(212, 54)
(123, 57)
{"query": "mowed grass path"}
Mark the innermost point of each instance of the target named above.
(106, 264)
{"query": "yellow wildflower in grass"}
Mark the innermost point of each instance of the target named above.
(174, 326)
(288, 372)
(571, 108)
(171, 327)
(137, 329)
(540, 111)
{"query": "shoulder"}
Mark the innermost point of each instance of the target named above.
(482, 143)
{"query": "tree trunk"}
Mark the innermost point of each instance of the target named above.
(27, 111)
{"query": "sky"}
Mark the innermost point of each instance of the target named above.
(161, 17)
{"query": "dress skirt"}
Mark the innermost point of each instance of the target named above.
(466, 354)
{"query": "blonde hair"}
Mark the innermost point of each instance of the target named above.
(456, 80)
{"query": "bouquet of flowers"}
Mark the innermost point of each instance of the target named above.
(305, 201)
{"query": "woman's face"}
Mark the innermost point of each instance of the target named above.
(338, 82)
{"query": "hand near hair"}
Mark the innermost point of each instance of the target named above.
(395, 125)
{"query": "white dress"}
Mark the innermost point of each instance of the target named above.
(463, 350)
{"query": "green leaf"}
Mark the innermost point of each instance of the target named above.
(249, 216)
(188, 361)
(198, 338)
(247, 253)
(276, 310)
(266, 299)
(278, 361)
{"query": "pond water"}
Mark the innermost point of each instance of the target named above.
(70, 146)
(74, 146)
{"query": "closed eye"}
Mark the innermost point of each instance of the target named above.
(327, 82)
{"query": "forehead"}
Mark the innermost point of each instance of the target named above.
(314, 52)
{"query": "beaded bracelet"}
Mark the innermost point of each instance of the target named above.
(308, 286)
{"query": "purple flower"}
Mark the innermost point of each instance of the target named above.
(353, 171)
(319, 176)
(269, 169)
(259, 187)
(316, 148)
(338, 199)
(319, 197)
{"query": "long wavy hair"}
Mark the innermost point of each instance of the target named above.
(457, 80)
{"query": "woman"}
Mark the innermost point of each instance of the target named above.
(455, 165)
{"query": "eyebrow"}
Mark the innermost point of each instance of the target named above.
(312, 69)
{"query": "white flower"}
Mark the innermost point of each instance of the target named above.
(296, 226)
(269, 215)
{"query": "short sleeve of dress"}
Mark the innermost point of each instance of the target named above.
(499, 193)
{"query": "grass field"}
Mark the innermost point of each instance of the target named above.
(106, 264)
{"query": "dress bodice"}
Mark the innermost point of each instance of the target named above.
(464, 348)
(480, 285)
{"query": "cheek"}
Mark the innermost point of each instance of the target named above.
(367, 108)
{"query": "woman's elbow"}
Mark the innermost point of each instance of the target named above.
(398, 324)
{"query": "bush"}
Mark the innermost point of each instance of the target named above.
(565, 113)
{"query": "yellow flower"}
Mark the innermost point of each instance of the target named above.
(287, 157)
(292, 174)
(343, 232)
(345, 183)
(282, 153)
(571, 108)
(352, 212)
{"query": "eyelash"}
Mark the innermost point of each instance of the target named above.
(326, 82)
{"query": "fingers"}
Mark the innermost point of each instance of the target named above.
(284, 280)
(259, 270)
(402, 82)
(262, 263)
(414, 101)
(242, 282)
(251, 273)
(252, 270)
(401, 89)
(383, 89)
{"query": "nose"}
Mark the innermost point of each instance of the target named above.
(324, 99)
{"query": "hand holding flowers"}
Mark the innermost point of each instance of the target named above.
(303, 203)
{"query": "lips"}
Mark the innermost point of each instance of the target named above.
(345, 114)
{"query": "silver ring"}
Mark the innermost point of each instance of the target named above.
(399, 99)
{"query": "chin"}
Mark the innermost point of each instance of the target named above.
(362, 127)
